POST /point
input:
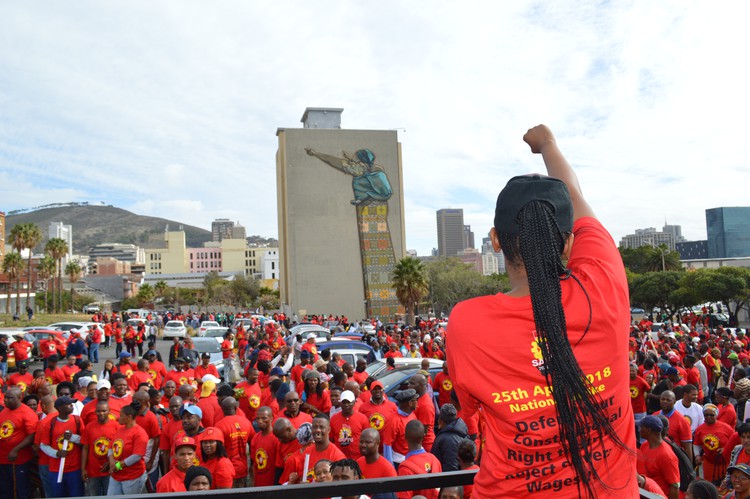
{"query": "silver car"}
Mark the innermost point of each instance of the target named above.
(175, 329)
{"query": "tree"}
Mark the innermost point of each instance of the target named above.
(145, 294)
(724, 284)
(659, 289)
(161, 289)
(13, 267)
(46, 270)
(650, 259)
(452, 281)
(73, 271)
(58, 248)
(410, 282)
(26, 236)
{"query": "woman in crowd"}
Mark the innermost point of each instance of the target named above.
(215, 459)
(126, 464)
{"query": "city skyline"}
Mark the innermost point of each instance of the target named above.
(170, 108)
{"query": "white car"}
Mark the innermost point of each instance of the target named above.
(80, 327)
(175, 329)
(321, 334)
(380, 366)
(206, 325)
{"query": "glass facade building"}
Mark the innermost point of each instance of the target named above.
(728, 231)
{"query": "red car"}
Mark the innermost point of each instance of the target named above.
(47, 342)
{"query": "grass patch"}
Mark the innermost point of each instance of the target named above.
(6, 320)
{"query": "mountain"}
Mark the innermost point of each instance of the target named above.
(94, 225)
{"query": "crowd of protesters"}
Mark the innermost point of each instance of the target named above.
(690, 388)
(282, 413)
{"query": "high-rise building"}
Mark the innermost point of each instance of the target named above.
(499, 257)
(450, 231)
(221, 228)
(728, 230)
(468, 237)
(238, 231)
(122, 252)
(649, 237)
(354, 234)
(64, 232)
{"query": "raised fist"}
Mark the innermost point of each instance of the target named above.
(538, 137)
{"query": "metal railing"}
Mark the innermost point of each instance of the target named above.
(340, 489)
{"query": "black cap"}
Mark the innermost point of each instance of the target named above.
(521, 190)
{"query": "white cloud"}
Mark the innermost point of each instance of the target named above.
(170, 108)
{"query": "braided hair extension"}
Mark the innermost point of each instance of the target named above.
(539, 246)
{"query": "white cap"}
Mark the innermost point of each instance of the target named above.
(348, 395)
(426, 337)
(84, 381)
(311, 336)
(103, 383)
(210, 377)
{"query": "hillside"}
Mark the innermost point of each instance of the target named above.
(94, 225)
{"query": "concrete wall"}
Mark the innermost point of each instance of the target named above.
(320, 262)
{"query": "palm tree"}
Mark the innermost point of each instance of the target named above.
(58, 248)
(73, 271)
(13, 267)
(411, 284)
(46, 269)
(161, 289)
(28, 236)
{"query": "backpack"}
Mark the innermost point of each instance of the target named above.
(687, 472)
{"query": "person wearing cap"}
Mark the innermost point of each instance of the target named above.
(347, 426)
(727, 411)
(126, 464)
(393, 351)
(96, 440)
(378, 409)
(315, 398)
(21, 379)
(679, 427)
(451, 431)
(418, 461)
(711, 439)
(205, 367)
(309, 346)
(214, 457)
(184, 458)
(238, 432)
(656, 459)
(88, 413)
(394, 434)
(61, 437)
(209, 403)
(298, 370)
(125, 364)
(739, 478)
(559, 327)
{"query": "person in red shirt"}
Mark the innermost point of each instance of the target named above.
(185, 456)
(443, 386)
(395, 446)
(249, 394)
(263, 448)
(205, 367)
(393, 351)
(168, 432)
(425, 411)
(727, 412)
(309, 346)
(139, 376)
(18, 422)
(372, 464)
(418, 461)
(209, 404)
(227, 345)
(215, 459)
(679, 428)
(126, 463)
(62, 439)
(21, 349)
(54, 374)
(321, 449)
(347, 426)
(96, 440)
(378, 409)
(289, 446)
(21, 379)
(298, 369)
(315, 398)
(711, 440)
(70, 369)
(360, 374)
(292, 410)
(639, 389)
(656, 459)
(238, 432)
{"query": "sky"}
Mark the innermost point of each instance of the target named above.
(170, 108)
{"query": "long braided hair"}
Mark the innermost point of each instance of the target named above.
(583, 423)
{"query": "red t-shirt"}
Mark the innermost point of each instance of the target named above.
(173, 481)
(500, 375)
(70, 371)
(222, 472)
(727, 414)
(659, 464)
(712, 438)
(679, 428)
(53, 436)
(426, 414)
(211, 410)
(332, 453)
(419, 463)
(98, 438)
(638, 389)
(238, 431)
(394, 433)
(16, 425)
(263, 452)
(345, 432)
(21, 349)
(22, 381)
(297, 421)
(249, 397)
(54, 376)
(378, 414)
(126, 442)
(285, 451)
(379, 469)
(443, 385)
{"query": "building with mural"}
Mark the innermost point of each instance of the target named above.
(341, 219)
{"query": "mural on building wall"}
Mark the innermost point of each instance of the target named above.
(372, 190)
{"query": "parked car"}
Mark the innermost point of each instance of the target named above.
(81, 327)
(379, 366)
(205, 325)
(213, 347)
(91, 308)
(398, 378)
(347, 346)
(246, 324)
(350, 355)
(175, 329)
(216, 332)
(716, 320)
